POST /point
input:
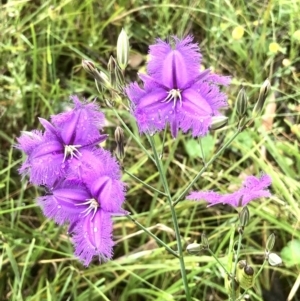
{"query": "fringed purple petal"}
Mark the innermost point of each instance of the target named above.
(81, 125)
(174, 70)
(198, 126)
(208, 196)
(253, 188)
(63, 203)
(212, 95)
(135, 92)
(47, 163)
(28, 141)
(194, 104)
(187, 55)
(49, 127)
(93, 237)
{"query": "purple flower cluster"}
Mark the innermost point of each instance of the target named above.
(253, 188)
(82, 180)
(175, 91)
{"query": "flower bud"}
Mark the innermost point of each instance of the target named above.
(119, 138)
(218, 122)
(244, 217)
(243, 122)
(111, 64)
(123, 49)
(274, 259)
(116, 75)
(241, 102)
(263, 93)
(88, 66)
(99, 76)
(270, 242)
(194, 249)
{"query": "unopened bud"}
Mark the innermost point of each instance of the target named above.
(274, 259)
(88, 66)
(244, 217)
(119, 138)
(270, 242)
(111, 65)
(99, 76)
(194, 249)
(116, 76)
(243, 122)
(218, 122)
(263, 93)
(123, 49)
(109, 103)
(241, 102)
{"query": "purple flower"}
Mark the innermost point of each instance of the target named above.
(82, 181)
(50, 153)
(253, 188)
(87, 203)
(99, 187)
(176, 91)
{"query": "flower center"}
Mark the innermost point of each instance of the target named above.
(71, 150)
(174, 95)
(93, 206)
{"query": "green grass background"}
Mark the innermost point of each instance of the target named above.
(42, 44)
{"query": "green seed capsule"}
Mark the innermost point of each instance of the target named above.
(245, 274)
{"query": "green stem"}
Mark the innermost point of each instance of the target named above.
(219, 262)
(160, 242)
(145, 184)
(236, 262)
(132, 135)
(174, 218)
(213, 158)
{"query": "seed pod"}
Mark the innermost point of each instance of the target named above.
(245, 274)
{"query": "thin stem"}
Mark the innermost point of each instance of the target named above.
(204, 168)
(260, 270)
(160, 242)
(174, 218)
(132, 135)
(145, 184)
(236, 262)
(219, 262)
(163, 143)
